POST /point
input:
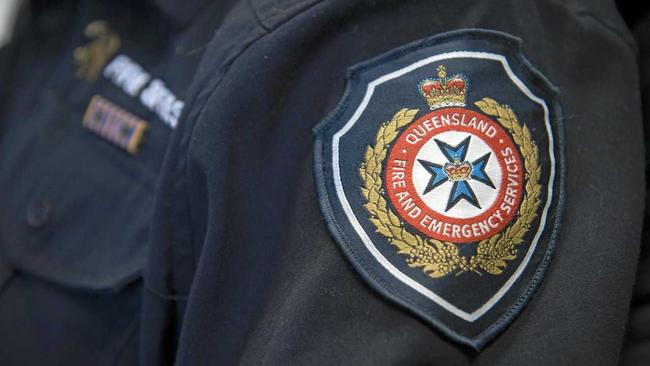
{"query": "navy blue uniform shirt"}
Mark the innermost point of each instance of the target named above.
(158, 203)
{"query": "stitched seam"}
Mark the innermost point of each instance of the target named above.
(87, 283)
(257, 18)
(612, 30)
(161, 295)
(279, 10)
(186, 159)
(202, 108)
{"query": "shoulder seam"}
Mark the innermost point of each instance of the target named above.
(258, 18)
(292, 10)
(212, 89)
(626, 38)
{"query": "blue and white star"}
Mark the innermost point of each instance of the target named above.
(459, 171)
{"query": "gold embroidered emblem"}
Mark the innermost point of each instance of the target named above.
(91, 58)
(439, 258)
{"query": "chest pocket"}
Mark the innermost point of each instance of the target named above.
(75, 209)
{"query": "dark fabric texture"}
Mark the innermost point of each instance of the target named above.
(75, 210)
(208, 246)
(271, 287)
(636, 346)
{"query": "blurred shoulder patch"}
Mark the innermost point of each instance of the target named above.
(441, 177)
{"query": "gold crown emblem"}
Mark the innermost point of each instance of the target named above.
(444, 91)
(458, 171)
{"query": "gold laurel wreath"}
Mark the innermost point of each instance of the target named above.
(435, 257)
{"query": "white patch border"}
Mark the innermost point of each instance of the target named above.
(473, 316)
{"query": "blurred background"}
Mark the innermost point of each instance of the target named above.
(8, 10)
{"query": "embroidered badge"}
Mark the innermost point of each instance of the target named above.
(114, 124)
(441, 176)
(91, 58)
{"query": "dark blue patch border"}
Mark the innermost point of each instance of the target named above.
(321, 178)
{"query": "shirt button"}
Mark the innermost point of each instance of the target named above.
(39, 213)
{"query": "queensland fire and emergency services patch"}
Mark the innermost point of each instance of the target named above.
(441, 176)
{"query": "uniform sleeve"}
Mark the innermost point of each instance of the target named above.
(636, 349)
(238, 225)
